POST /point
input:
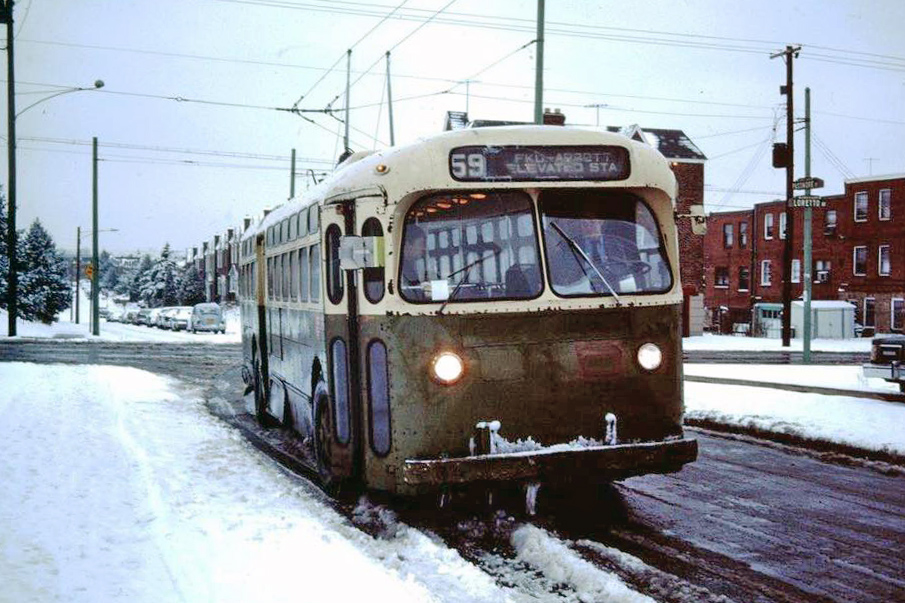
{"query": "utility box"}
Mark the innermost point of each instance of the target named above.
(767, 319)
(829, 319)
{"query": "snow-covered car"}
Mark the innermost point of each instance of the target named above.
(179, 318)
(154, 316)
(163, 317)
(887, 359)
(116, 314)
(143, 317)
(207, 317)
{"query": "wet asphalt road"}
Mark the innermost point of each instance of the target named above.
(748, 522)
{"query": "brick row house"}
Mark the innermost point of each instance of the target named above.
(858, 253)
(216, 262)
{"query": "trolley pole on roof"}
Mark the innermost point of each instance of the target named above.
(789, 53)
(390, 103)
(539, 67)
(292, 177)
(348, 87)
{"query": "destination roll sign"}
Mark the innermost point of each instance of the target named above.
(526, 163)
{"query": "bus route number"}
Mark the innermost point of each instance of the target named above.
(468, 165)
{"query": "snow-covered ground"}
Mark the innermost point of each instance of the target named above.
(118, 485)
(762, 344)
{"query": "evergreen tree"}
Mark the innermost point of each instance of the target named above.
(191, 290)
(136, 285)
(160, 288)
(44, 288)
(108, 275)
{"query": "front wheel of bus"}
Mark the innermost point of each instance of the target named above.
(323, 443)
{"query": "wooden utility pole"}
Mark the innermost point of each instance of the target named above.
(790, 53)
(12, 282)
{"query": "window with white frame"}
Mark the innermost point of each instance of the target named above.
(727, 235)
(829, 222)
(859, 261)
(861, 207)
(721, 277)
(783, 223)
(884, 211)
(897, 314)
(822, 271)
(766, 275)
(870, 312)
(744, 280)
(768, 226)
(796, 270)
(743, 234)
(883, 260)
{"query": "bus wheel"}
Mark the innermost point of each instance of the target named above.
(323, 443)
(260, 415)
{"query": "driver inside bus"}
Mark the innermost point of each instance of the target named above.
(414, 264)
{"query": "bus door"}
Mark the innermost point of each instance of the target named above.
(343, 453)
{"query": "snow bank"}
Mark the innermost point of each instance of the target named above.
(762, 344)
(560, 563)
(833, 376)
(118, 485)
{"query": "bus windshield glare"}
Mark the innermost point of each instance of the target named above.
(470, 246)
(600, 242)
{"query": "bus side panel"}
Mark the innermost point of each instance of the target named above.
(551, 376)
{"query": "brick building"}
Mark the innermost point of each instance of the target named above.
(858, 253)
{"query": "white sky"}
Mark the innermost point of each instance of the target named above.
(270, 52)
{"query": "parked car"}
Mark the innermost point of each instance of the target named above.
(153, 316)
(887, 360)
(116, 314)
(179, 319)
(143, 317)
(207, 317)
(163, 317)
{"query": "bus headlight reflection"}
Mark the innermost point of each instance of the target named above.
(650, 357)
(447, 368)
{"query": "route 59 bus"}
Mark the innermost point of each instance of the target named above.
(485, 306)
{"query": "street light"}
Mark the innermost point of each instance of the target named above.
(6, 16)
(78, 264)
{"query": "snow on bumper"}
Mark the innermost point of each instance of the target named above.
(597, 462)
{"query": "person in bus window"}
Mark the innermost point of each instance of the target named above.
(414, 264)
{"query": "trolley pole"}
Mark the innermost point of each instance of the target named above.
(292, 176)
(539, 67)
(390, 103)
(95, 293)
(78, 269)
(789, 53)
(806, 233)
(12, 280)
(348, 89)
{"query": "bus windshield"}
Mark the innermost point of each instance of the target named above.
(601, 242)
(470, 246)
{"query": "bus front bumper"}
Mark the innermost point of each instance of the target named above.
(595, 463)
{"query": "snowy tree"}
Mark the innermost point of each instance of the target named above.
(44, 289)
(136, 283)
(108, 275)
(191, 290)
(161, 286)
(4, 257)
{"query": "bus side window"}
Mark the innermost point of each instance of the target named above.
(315, 272)
(269, 278)
(293, 285)
(284, 268)
(334, 272)
(373, 277)
(303, 274)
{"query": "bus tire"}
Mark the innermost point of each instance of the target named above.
(260, 413)
(323, 441)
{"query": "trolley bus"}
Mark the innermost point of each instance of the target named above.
(489, 305)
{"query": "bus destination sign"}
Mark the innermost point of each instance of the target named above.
(538, 163)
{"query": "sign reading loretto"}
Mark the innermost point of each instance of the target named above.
(526, 163)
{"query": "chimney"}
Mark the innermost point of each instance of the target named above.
(267, 211)
(246, 223)
(229, 234)
(554, 118)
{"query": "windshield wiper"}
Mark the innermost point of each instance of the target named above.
(455, 290)
(579, 252)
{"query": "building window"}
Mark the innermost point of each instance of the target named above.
(721, 277)
(885, 205)
(822, 271)
(796, 270)
(869, 312)
(897, 314)
(883, 260)
(859, 261)
(768, 226)
(783, 223)
(743, 234)
(860, 207)
(829, 223)
(727, 235)
(766, 275)
(744, 279)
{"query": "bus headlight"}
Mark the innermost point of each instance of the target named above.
(650, 357)
(447, 368)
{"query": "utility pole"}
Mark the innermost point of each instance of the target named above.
(789, 54)
(390, 103)
(78, 269)
(95, 272)
(12, 282)
(539, 67)
(806, 233)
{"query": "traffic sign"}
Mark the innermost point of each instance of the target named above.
(807, 201)
(807, 183)
(89, 270)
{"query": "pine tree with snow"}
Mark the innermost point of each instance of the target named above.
(139, 279)
(191, 289)
(4, 257)
(44, 289)
(109, 272)
(162, 283)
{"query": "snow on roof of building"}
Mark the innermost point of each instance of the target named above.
(673, 144)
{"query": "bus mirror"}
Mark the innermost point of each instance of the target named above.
(356, 252)
(698, 219)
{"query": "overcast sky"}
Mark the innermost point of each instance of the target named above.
(179, 171)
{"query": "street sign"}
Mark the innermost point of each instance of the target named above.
(807, 183)
(807, 201)
(89, 270)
